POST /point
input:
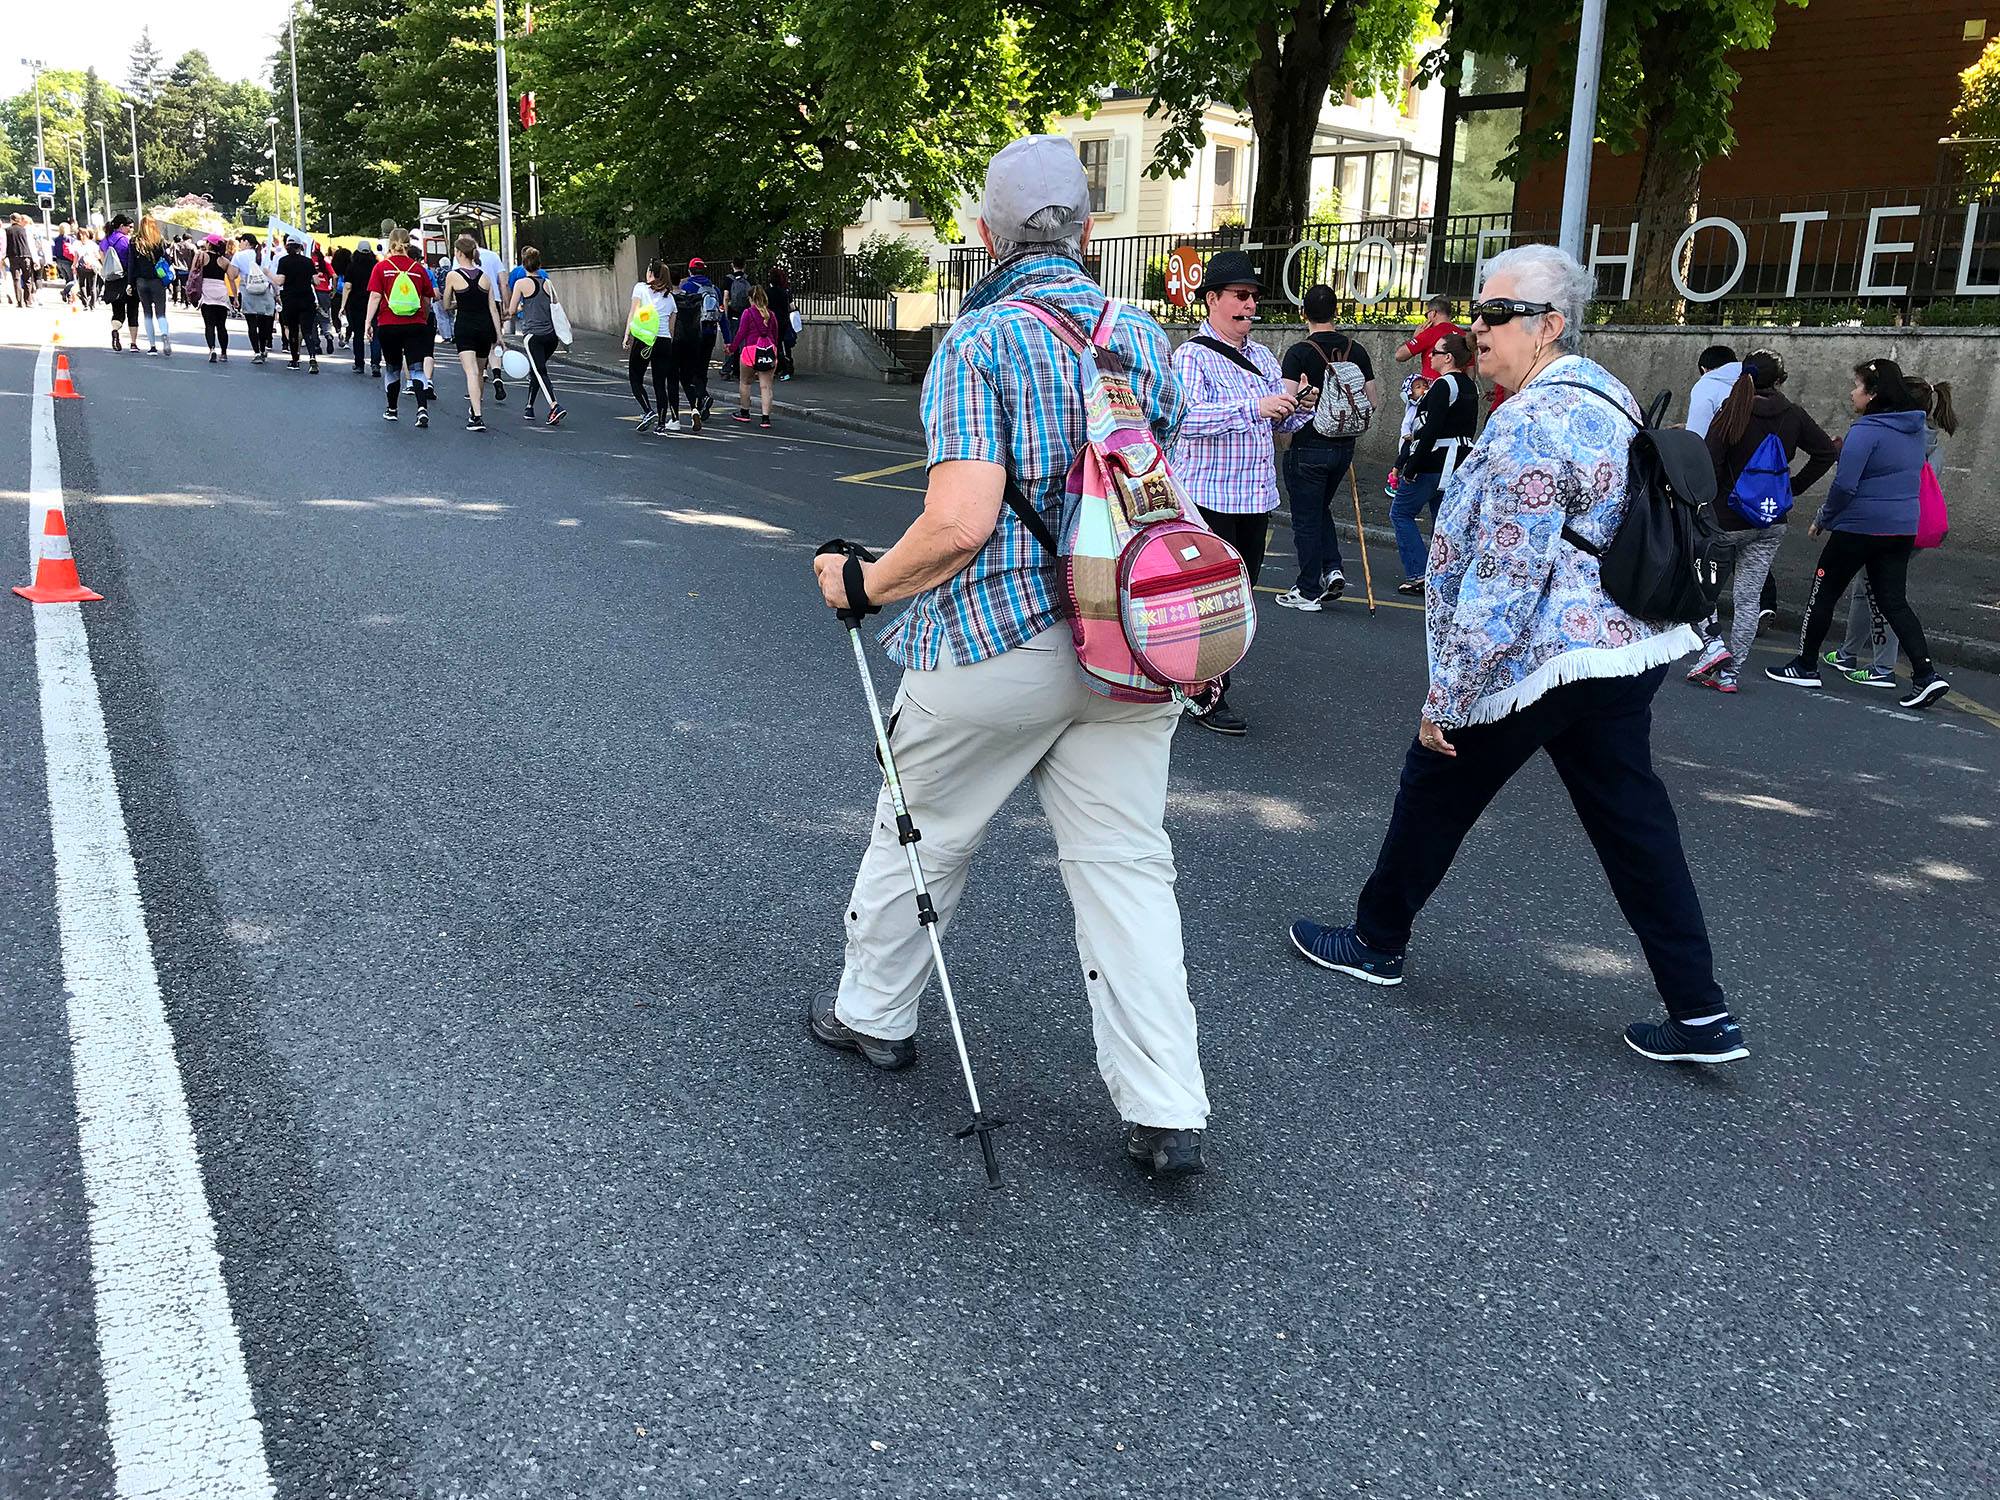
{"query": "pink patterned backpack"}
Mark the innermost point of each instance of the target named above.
(1158, 603)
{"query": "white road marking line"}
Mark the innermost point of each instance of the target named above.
(177, 1395)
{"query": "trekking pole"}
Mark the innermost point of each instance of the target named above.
(858, 609)
(1367, 576)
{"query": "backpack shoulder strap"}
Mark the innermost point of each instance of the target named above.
(1234, 356)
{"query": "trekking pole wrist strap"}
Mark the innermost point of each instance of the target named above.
(858, 607)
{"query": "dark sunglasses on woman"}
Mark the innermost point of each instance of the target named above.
(1505, 309)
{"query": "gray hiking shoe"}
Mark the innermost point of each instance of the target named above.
(826, 1029)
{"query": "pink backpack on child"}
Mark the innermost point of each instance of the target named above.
(1158, 603)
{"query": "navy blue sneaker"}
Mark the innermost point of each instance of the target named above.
(1337, 948)
(1674, 1041)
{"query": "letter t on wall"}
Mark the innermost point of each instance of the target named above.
(1798, 223)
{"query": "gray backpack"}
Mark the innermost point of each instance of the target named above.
(1344, 408)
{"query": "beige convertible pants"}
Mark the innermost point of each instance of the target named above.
(964, 738)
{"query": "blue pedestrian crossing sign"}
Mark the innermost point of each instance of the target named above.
(45, 181)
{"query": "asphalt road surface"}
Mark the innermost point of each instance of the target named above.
(493, 802)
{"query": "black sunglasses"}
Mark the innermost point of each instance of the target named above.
(1505, 309)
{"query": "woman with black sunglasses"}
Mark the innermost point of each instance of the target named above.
(1528, 653)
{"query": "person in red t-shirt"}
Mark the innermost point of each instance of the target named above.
(1437, 323)
(406, 337)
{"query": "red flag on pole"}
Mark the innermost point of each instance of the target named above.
(528, 110)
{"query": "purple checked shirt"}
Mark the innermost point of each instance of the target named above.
(1226, 459)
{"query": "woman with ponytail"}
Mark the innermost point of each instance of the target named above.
(1753, 441)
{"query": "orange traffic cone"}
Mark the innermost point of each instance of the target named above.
(56, 580)
(65, 389)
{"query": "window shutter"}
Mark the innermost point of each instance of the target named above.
(1114, 178)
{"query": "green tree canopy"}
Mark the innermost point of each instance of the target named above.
(1977, 117)
(741, 122)
(340, 106)
(1277, 60)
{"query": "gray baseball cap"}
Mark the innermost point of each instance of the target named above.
(1029, 175)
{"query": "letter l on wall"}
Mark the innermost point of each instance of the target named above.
(1965, 286)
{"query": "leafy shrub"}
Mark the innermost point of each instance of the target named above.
(888, 263)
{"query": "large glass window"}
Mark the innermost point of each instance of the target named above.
(1482, 138)
(1096, 158)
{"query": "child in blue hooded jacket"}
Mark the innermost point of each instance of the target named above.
(1869, 519)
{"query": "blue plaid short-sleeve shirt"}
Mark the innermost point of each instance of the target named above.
(1002, 389)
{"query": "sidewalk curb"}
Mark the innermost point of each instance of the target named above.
(826, 416)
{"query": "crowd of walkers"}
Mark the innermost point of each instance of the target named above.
(390, 305)
(1528, 651)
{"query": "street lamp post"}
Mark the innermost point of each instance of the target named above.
(138, 193)
(104, 168)
(1582, 127)
(298, 138)
(506, 146)
(271, 122)
(41, 155)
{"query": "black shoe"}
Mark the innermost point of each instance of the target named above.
(1220, 718)
(556, 414)
(374, 372)
(1411, 586)
(423, 416)
(116, 347)
(1925, 693)
(313, 368)
(1794, 673)
(1165, 1153)
(389, 415)
(295, 365)
(707, 406)
(475, 423)
(211, 356)
(1675, 1041)
(825, 1028)
(764, 421)
(739, 416)
(500, 391)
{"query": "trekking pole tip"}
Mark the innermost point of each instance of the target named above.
(983, 1128)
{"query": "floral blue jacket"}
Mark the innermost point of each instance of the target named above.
(1511, 609)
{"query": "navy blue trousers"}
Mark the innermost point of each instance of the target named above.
(1598, 733)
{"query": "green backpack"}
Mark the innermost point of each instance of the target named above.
(403, 298)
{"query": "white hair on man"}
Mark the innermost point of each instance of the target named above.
(1055, 219)
(1545, 273)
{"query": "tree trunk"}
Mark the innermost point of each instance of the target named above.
(1669, 195)
(1287, 87)
(1669, 181)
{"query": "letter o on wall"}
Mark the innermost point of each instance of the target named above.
(1687, 238)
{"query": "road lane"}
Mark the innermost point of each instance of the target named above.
(494, 802)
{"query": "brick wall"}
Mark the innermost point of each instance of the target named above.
(1850, 94)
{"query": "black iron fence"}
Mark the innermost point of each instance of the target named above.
(836, 286)
(1921, 255)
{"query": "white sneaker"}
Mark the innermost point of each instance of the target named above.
(1293, 599)
(1332, 586)
(1713, 654)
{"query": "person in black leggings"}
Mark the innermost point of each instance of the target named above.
(528, 311)
(405, 334)
(1870, 523)
(651, 353)
(298, 305)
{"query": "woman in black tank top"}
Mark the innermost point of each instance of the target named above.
(470, 301)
